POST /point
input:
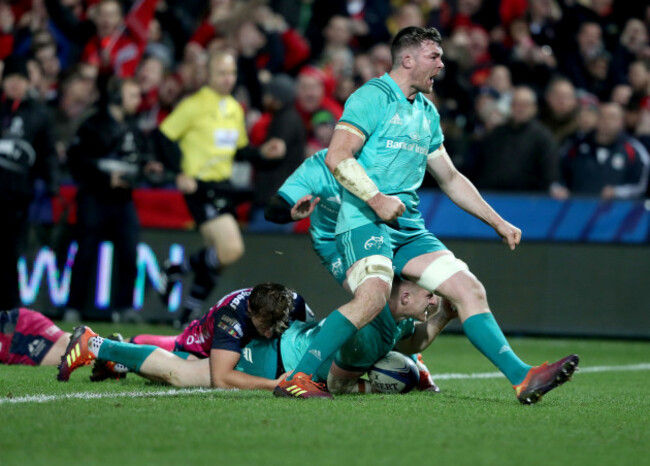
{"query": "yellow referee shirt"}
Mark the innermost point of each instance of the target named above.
(209, 128)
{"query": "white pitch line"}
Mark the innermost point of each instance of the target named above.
(43, 398)
(581, 370)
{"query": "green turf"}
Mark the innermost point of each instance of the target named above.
(598, 419)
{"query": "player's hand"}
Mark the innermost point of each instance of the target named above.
(117, 181)
(282, 377)
(304, 207)
(273, 149)
(185, 184)
(510, 234)
(387, 208)
(608, 193)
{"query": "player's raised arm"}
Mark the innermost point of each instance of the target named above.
(465, 195)
(346, 142)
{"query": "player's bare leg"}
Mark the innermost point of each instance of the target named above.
(53, 356)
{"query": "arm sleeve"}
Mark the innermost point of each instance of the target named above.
(178, 121)
(278, 210)
(167, 150)
(361, 107)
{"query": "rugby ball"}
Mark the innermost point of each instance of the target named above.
(394, 373)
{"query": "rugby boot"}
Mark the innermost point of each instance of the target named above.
(426, 383)
(542, 379)
(301, 386)
(77, 354)
(103, 370)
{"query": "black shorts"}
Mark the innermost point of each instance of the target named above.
(210, 200)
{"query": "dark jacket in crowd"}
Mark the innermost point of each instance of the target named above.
(517, 158)
(103, 145)
(27, 149)
(587, 167)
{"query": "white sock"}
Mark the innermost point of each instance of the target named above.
(94, 343)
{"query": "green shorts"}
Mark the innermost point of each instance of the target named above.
(369, 344)
(331, 259)
(261, 357)
(380, 239)
(294, 344)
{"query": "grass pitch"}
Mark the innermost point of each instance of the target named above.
(601, 418)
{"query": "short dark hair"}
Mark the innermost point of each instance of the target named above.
(410, 36)
(272, 304)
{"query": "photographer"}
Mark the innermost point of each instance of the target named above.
(26, 152)
(107, 157)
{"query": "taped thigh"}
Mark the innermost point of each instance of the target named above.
(371, 267)
(440, 270)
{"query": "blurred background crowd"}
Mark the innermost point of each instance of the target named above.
(537, 96)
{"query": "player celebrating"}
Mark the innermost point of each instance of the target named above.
(388, 136)
(262, 312)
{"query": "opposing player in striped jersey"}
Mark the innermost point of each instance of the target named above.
(218, 339)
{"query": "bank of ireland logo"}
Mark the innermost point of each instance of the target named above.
(375, 242)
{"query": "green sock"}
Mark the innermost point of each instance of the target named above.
(128, 354)
(336, 330)
(484, 333)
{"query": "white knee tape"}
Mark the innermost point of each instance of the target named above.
(371, 267)
(440, 270)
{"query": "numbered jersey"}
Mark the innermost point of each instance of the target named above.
(227, 325)
(209, 129)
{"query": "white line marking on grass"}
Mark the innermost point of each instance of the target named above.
(581, 370)
(43, 398)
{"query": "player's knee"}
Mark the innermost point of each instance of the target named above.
(440, 270)
(231, 254)
(338, 385)
(376, 267)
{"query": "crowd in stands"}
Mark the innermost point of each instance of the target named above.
(527, 86)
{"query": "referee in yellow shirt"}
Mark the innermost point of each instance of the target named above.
(210, 131)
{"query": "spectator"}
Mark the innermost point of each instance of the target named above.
(106, 158)
(281, 121)
(589, 46)
(311, 97)
(323, 123)
(112, 43)
(520, 155)
(209, 128)
(607, 163)
(633, 46)
(26, 153)
(76, 98)
(561, 112)
(149, 76)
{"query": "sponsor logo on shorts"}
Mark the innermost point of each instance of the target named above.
(316, 354)
(247, 354)
(337, 267)
(36, 347)
(375, 242)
